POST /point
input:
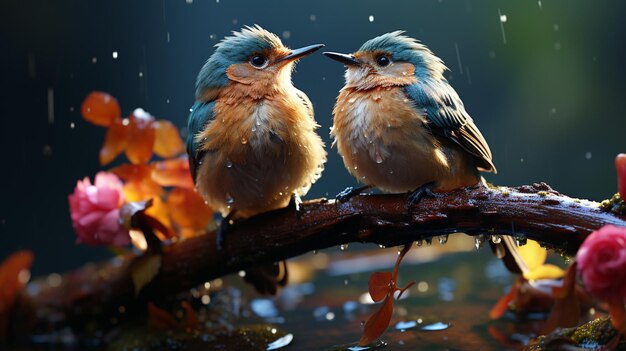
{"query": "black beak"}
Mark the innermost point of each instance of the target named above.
(301, 52)
(349, 60)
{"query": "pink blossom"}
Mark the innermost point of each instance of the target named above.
(602, 263)
(95, 211)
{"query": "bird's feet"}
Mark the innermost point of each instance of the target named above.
(294, 202)
(225, 225)
(418, 194)
(349, 192)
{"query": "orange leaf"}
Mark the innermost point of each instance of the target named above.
(379, 285)
(141, 137)
(168, 142)
(159, 211)
(161, 319)
(100, 109)
(173, 172)
(500, 308)
(377, 323)
(10, 271)
(115, 142)
(188, 210)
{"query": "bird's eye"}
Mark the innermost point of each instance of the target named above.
(258, 61)
(383, 61)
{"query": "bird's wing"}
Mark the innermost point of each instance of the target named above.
(306, 102)
(446, 116)
(201, 114)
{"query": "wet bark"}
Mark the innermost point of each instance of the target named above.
(101, 295)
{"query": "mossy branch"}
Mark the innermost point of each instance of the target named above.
(101, 295)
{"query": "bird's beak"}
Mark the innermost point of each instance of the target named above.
(348, 60)
(299, 53)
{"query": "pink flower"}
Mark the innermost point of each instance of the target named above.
(602, 264)
(95, 211)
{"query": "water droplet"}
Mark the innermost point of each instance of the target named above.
(351, 100)
(478, 241)
(72, 125)
(140, 74)
(229, 163)
(343, 247)
(379, 159)
(356, 167)
(496, 239)
(371, 18)
(503, 18)
(521, 240)
(229, 199)
(114, 54)
(418, 243)
(404, 73)
(429, 241)
(312, 18)
(244, 140)
(381, 246)
(94, 59)
(391, 171)
(435, 326)
(47, 150)
(443, 239)
(315, 252)
(253, 129)
(588, 155)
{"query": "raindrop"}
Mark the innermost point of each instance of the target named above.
(235, 21)
(418, 243)
(72, 125)
(379, 158)
(356, 167)
(315, 252)
(312, 18)
(253, 129)
(351, 100)
(391, 171)
(556, 27)
(47, 150)
(189, 1)
(496, 239)
(229, 163)
(381, 246)
(286, 34)
(503, 18)
(229, 200)
(588, 155)
(443, 239)
(140, 74)
(94, 59)
(280, 342)
(557, 46)
(114, 54)
(343, 247)
(205, 299)
(244, 140)
(371, 18)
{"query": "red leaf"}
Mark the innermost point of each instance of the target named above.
(115, 142)
(566, 310)
(620, 164)
(379, 285)
(502, 305)
(377, 323)
(161, 319)
(100, 109)
(168, 142)
(11, 284)
(188, 210)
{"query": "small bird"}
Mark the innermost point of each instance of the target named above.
(252, 143)
(399, 125)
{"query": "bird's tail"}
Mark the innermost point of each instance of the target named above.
(268, 279)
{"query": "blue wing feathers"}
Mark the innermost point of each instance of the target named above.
(446, 114)
(201, 114)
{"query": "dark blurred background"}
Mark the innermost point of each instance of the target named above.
(542, 79)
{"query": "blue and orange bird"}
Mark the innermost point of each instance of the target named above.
(252, 143)
(400, 126)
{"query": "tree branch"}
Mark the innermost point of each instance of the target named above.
(95, 293)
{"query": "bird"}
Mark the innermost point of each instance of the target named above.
(400, 126)
(252, 141)
(398, 123)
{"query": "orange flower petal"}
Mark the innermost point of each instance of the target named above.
(566, 310)
(500, 308)
(168, 142)
(187, 209)
(377, 323)
(141, 137)
(115, 142)
(139, 191)
(100, 109)
(173, 172)
(133, 173)
(379, 285)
